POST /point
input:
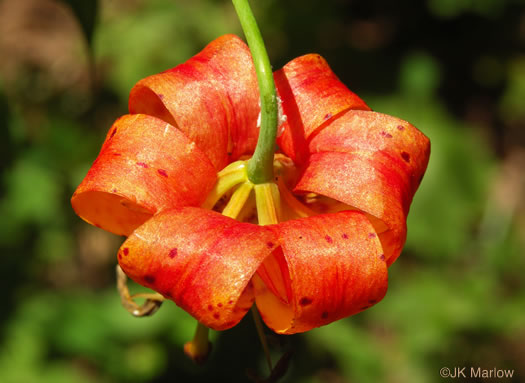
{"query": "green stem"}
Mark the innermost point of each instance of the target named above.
(260, 331)
(260, 166)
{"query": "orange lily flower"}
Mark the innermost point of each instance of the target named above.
(328, 228)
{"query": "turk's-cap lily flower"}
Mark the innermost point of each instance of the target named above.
(310, 248)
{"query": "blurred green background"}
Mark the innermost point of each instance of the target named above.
(454, 68)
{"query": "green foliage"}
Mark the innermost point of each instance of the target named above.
(137, 46)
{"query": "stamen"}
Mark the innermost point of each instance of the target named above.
(231, 168)
(268, 203)
(231, 175)
(199, 348)
(238, 199)
(298, 208)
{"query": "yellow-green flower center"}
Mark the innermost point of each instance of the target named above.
(268, 203)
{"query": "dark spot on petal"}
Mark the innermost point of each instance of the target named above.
(113, 133)
(126, 251)
(143, 165)
(405, 156)
(168, 295)
(304, 301)
(324, 315)
(161, 96)
(300, 237)
(230, 323)
(400, 127)
(365, 307)
(269, 244)
(229, 153)
(210, 307)
(149, 279)
(328, 115)
(173, 253)
(328, 239)
(119, 256)
(382, 257)
(219, 304)
(372, 235)
(385, 134)
(230, 302)
(162, 172)
(372, 301)
(117, 154)
(216, 316)
(345, 236)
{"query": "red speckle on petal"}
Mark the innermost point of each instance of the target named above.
(173, 253)
(126, 251)
(385, 134)
(372, 235)
(113, 133)
(230, 302)
(269, 244)
(328, 116)
(117, 154)
(143, 165)
(219, 304)
(119, 256)
(162, 172)
(304, 301)
(382, 257)
(328, 239)
(216, 316)
(400, 127)
(405, 156)
(149, 279)
(210, 307)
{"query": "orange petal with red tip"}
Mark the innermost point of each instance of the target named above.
(145, 165)
(373, 182)
(357, 130)
(336, 268)
(311, 96)
(212, 98)
(200, 259)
